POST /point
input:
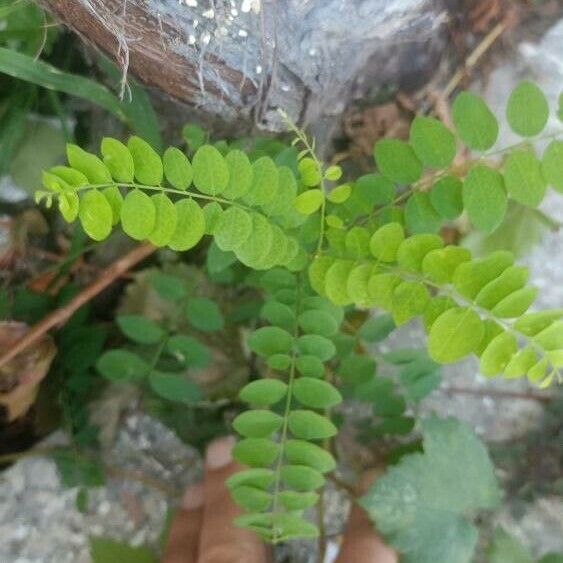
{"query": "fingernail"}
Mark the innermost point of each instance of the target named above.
(193, 497)
(219, 452)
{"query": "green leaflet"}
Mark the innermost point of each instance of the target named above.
(264, 182)
(115, 200)
(308, 425)
(138, 215)
(257, 423)
(165, 220)
(316, 393)
(240, 175)
(551, 166)
(121, 365)
(256, 452)
(310, 201)
(523, 178)
(498, 354)
(446, 197)
(210, 170)
(147, 162)
(174, 387)
(474, 121)
(527, 109)
(118, 160)
(396, 160)
(190, 225)
(95, 215)
(432, 141)
(484, 198)
(385, 242)
(309, 171)
(270, 340)
(300, 452)
(140, 329)
(301, 477)
(233, 229)
(420, 214)
(89, 164)
(177, 168)
(204, 314)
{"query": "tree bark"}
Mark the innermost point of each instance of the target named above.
(241, 60)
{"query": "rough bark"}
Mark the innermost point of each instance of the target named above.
(240, 60)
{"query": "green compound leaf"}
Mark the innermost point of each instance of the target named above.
(165, 220)
(552, 165)
(174, 387)
(251, 498)
(300, 452)
(189, 351)
(315, 345)
(204, 314)
(259, 478)
(89, 164)
(270, 340)
(420, 214)
(139, 329)
(138, 215)
(527, 109)
(264, 182)
(233, 229)
(95, 215)
(118, 160)
(264, 392)
(446, 197)
(484, 198)
(318, 322)
(308, 425)
(292, 500)
(190, 225)
(240, 175)
(257, 423)
(454, 334)
(476, 124)
(310, 201)
(310, 366)
(210, 170)
(316, 393)
(432, 141)
(256, 452)
(148, 165)
(385, 242)
(177, 168)
(523, 178)
(122, 365)
(419, 505)
(301, 477)
(396, 160)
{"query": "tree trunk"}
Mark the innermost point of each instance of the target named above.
(241, 60)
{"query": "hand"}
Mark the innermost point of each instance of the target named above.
(203, 529)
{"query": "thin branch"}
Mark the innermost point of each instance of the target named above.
(524, 395)
(61, 315)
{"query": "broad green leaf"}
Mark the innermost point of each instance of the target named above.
(310, 366)
(256, 452)
(308, 202)
(498, 353)
(204, 314)
(89, 164)
(396, 160)
(432, 141)
(177, 168)
(318, 322)
(147, 162)
(300, 452)
(356, 369)
(315, 345)
(233, 229)
(189, 351)
(523, 178)
(95, 215)
(259, 478)
(412, 251)
(210, 170)
(264, 182)
(446, 197)
(527, 109)
(122, 365)
(190, 225)
(484, 198)
(251, 498)
(506, 549)
(301, 477)
(310, 172)
(106, 550)
(476, 124)
(168, 286)
(385, 242)
(263, 392)
(118, 160)
(316, 393)
(139, 329)
(174, 387)
(257, 423)
(552, 165)
(240, 175)
(270, 340)
(419, 505)
(454, 334)
(292, 500)
(138, 215)
(308, 425)
(409, 300)
(440, 264)
(115, 200)
(420, 215)
(164, 220)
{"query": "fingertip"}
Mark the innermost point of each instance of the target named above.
(220, 452)
(193, 497)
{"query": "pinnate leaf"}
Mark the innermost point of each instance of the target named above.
(147, 162)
